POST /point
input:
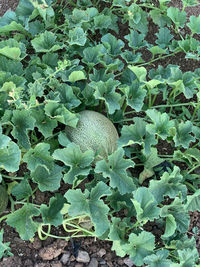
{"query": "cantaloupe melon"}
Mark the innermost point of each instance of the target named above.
(94, 132)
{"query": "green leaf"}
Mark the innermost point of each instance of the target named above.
(78, 161)
(102, 21)
(106, 91)
(140, 72)
(177, 210)
(44, 124)
(159, 259)
(51, 214)
(92, 55)
(115, 169)
(139, 246)
(193, 202)
(113, 45)
(170, 184)
(22, 220)
(8, 65)
(159, 18)
(188, 257)
(22, 122)
(10, 156)
(77, 36)
(164, 37)
(194, 24)
(13, 26)
(136, 134)
(135, 40)
(11, 52)
(46, 42)
(4, 246)
(183, 136)
(67, 96)
(22, 190)
(39, 155)
(47, 180)
(177, 16)
(161, 123)
(92, 205)
(170, 226)
(145, 205)
(77, 76)
(135, 95)
(156, 50)
(58, 112)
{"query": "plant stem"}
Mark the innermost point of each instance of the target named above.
(156, 59)
(12, 177)
(190, 186)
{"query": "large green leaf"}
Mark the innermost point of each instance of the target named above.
(164, 37)
(22, 122)
(177, 210)
(78, 161)
(135, 95)
(194, 24)
(22, 190)
(39, 155)
(91, 204)
(51, 214)
(139, 246)
(159, 259)
(136, 134)
(177, 16)
(170, 184)
(193, 201)
(58, 112)
(135, 40)
(44, 124)
(115, 169)
(161, 123)
(77, 36)
(113, 45)
(183, 135)
(46, 42)
(107, 91)
(22, 220)
(145, 205)
(47, 180)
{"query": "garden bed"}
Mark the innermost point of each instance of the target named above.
(140, 69)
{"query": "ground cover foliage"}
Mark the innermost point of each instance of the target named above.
(58, 58)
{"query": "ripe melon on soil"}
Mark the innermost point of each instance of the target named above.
(94, 132)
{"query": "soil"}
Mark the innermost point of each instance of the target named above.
(86, 251)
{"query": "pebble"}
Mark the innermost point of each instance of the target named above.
(128, 262)
(101, 252)
(78, 265)
(65, 257)
(102, 262)
(93, 263)
(56, 264)
(83, 256)
(37, 244)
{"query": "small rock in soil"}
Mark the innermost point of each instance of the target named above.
(52, 251)
(37, 243)
(56, 264)
(83, 256)
(128, 262)
(42, 264)
(49, 253)
(93, 263)
(102, 262)
(78, 265)
(101, 252)
(65, 257)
